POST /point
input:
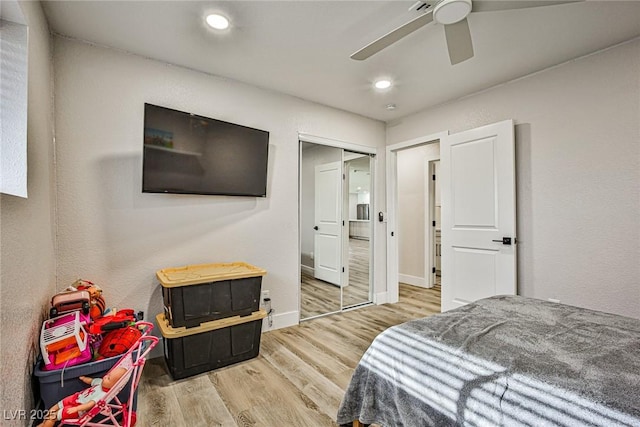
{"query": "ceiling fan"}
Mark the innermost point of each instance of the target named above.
(452, 14)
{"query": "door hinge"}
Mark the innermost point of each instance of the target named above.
(433, 177)
(433, 223)
(343, 223)
(344, 176)
(343, 269)
(433, 270)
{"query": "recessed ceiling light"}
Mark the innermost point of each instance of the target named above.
(382, 84)
(217, 21)
(391, 107)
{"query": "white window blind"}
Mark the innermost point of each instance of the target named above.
(13, 108)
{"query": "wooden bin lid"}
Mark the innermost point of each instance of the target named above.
(171, 333)
(204, 273)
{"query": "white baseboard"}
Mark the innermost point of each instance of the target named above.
(307, 269)
(413, 280)
(281, 320)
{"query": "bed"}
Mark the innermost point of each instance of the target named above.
(501, 361)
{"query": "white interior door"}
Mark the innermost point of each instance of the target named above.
(478, 212)
(328, 223)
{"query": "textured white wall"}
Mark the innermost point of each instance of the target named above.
(27, 242)
(578, 174)
(111, 233)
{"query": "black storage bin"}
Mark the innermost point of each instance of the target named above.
(198, 294)
(195, 304)
(212, 345)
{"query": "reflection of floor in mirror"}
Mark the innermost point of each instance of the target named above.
(317, 297)
(358, 290)
(320, 297)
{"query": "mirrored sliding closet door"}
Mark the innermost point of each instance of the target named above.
(335, 220)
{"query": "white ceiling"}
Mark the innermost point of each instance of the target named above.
(302, 48)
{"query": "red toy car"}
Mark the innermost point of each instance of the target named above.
(121, 319)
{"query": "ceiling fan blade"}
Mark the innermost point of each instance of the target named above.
(459, 41)
(493, 5)
(393, 36)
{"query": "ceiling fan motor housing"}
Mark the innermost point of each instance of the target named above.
(451, 11)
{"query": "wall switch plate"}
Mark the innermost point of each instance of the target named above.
(265, 294)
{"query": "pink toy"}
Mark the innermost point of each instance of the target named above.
(105, 402)
(64, 341)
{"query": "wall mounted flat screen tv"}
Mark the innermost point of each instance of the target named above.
(189, 154)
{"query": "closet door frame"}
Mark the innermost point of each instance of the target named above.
(344, 146)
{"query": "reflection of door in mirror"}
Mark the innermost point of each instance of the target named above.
(335, 196)
(320, 207)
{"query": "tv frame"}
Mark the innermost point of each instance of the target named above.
(204, 193)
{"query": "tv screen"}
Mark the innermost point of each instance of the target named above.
(189, 154)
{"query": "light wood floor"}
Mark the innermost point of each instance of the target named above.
(298, 379)
(318, 297)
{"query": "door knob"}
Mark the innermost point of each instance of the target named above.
(315, 228)
(504, 240)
